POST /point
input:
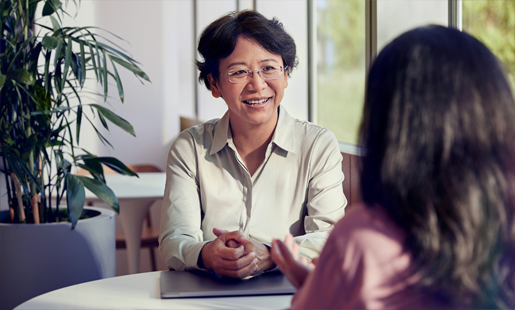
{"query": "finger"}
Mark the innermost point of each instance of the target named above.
(232, 243)
(238, 237)
(242, 272)
(314, 261)
(295, 250)
(218, 232)
(277, 255)
(285, 251)
(236, 264)
(229, 253)
(288, 241)
(304, 260)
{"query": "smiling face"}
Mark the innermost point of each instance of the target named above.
(253, 103)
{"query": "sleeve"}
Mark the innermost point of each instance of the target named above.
(325, 199)
(181, 237)
(337, 281)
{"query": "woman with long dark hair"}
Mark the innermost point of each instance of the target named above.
(437, 224)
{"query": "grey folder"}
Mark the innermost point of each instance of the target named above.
(184, 284)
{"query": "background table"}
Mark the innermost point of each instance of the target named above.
(141, 291)
(135, 196)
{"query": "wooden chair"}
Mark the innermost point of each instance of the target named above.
(351, 183)
(149, 233)
(187, 122)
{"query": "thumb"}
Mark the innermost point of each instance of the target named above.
(285, 252)
(218, 232)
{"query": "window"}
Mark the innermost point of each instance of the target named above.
(341, 52)
(493, 23)
(340, 66)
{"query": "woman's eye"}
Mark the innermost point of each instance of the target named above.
(268, 68)
(239, 72)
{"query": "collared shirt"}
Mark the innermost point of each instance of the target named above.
(297, 189)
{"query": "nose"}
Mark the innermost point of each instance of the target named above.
(256, 81)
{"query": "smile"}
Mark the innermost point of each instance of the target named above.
(257, 102)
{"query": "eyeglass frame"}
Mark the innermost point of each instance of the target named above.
(228, 74)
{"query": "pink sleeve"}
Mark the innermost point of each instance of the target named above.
(362, 266)
(336, 281)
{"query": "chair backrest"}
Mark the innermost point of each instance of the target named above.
(351, 183)
(187, 122)
(136, 168)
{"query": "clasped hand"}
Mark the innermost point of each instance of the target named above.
(233, 255)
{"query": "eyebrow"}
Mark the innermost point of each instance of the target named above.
(244, 64)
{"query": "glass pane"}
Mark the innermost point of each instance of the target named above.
(493, 23)
(340, 66)
(397, 16)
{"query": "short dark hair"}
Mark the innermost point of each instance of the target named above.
(219, 39)
(439, 135)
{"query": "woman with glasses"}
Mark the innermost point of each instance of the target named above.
(255, 174)
(436, 229)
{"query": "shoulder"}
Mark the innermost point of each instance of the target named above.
(199, 131)
(309, 132)
(313, 140)
(368, 229)
(198, 134)
(193, 142)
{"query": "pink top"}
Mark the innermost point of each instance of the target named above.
(363, 266)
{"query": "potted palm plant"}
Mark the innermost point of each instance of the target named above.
(44, 104)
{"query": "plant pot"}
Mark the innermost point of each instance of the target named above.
(38, 258)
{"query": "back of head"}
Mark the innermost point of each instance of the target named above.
(439, 132)
(218, 40)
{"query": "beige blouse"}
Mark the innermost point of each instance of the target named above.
(297, 189)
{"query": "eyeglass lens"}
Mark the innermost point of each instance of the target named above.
(267, 73)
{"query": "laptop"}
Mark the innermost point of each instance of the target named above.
(195, 283)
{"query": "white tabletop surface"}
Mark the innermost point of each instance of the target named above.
(141, 291)
(148, 185)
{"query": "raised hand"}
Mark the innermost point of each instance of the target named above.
(285, 255)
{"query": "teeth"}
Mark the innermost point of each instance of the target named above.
(254, 102)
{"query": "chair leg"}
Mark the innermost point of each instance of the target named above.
(153, 258)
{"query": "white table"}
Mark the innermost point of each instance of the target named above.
(141, 291)
(135, 196)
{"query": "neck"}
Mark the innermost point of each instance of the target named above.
(252, 139)
(251, 143)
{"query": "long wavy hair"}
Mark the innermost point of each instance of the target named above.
(439, 135)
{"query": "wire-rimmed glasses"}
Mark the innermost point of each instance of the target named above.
(244, 75)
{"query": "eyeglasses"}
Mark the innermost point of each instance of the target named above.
(244, 75)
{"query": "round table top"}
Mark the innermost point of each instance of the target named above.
(141, 291)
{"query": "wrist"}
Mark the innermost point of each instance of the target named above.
(203, 261)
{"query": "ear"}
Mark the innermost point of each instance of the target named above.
(215, 90)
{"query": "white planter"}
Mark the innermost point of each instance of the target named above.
(38, 258)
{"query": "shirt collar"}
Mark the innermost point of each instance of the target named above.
(222, 134)
(283, 133)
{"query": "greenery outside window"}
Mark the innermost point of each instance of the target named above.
(493, 23)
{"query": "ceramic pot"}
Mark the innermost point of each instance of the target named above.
(38, 258)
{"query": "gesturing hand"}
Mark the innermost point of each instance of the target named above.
(285, 255)
(228, 261)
